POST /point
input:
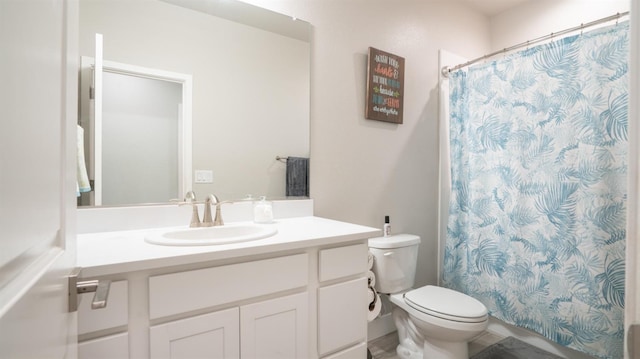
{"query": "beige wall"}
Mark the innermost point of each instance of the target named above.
(362, 170)
(542, 17)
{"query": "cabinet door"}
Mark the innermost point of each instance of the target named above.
(277, 328)
(213, 335)
(342, 315)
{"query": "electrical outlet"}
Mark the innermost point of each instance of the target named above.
(204, 176)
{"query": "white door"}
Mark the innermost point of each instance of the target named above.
(38, 105)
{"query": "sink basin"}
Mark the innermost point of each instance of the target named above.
(211, 235)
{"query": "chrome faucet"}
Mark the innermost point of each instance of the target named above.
(212, 200)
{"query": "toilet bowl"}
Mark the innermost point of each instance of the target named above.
(444, 321)
(432, 322)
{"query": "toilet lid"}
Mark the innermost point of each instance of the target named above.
(394, 241)
(446, 304)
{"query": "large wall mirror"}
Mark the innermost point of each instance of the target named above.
(250, 71)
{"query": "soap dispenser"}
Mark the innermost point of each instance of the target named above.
(386, 229)
(262, 211)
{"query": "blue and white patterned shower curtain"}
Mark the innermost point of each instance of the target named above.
(536, 226)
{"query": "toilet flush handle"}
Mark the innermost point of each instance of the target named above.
(387, 254)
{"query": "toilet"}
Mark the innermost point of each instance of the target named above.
(432, 322)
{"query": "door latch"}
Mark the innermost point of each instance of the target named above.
(100, 288)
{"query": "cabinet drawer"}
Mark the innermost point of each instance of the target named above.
(115, 314)
(358, 351)
(113, 346)
(186, 291)
(341, 262)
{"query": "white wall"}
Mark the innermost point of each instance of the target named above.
(362, 170)
(542, 17)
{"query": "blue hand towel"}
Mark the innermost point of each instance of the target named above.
(297, 181)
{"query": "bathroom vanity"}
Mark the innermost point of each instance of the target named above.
(300, 293)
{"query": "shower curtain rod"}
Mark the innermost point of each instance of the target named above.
(446, 70)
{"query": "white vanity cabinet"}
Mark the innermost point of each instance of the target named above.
(299, 294)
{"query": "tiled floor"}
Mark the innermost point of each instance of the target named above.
(385, 347)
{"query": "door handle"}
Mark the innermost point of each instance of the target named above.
(100, 288)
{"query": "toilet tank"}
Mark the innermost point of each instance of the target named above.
(394, 262)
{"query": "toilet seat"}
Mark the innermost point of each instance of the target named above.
(446, 304)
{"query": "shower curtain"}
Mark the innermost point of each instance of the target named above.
(536, 227)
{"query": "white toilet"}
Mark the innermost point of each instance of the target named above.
(432, 322)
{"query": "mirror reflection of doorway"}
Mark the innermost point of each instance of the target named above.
(144, 132)
(140, 127)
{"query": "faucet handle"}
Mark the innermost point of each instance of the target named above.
(195, 217)
(218, 220)
(190, 199)
(212, 200)
(206, 217)
(190, 196)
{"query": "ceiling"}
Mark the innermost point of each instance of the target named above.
(493, 7)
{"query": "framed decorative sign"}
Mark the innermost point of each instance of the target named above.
(385, 86)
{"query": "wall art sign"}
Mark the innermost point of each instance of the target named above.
(385, 86)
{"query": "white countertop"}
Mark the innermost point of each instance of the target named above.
(108, 253)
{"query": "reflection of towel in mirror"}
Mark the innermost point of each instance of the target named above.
(297, 182)
(82, 180)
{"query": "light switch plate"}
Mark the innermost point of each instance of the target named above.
(204, 176)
